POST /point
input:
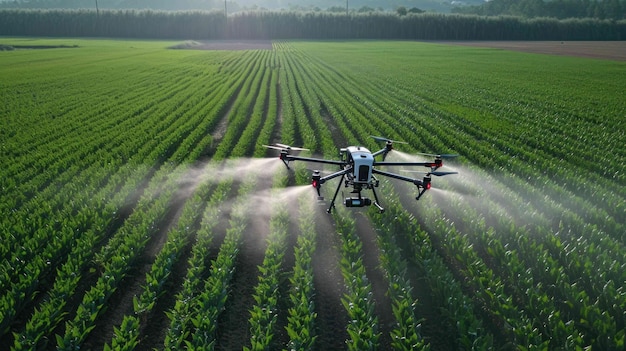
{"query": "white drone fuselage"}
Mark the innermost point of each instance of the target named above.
(356, 170)
(363, 162)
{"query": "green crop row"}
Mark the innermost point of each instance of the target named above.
(66, 280)
(116, 258)
(443, 131)
(524, 247)
(212, 299)
(395, 226)
(312, 126)
(264, 314)
(413, 103)
(406, 332)
(68, 178)
(254, 115)
(358, 300)
(238, 115)
(180, 315)
(126, 336)
(272, 105)
(329, 92)
(301, 313)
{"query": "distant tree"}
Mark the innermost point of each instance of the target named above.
(531, 8)
(365, 9)
(415, 10)
(561, 9)
(336, 9)
(615, 10)
(402, 11)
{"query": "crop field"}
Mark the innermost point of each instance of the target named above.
(140, 211)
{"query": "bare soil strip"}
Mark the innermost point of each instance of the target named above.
(233, 328)
(121, 301)
(609, 50)
(225, 45)
(376, 276)
(332, 318)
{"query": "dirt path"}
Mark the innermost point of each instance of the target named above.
(376, 277)
(608, 50)
(435, 328)
(121, 302)
(233, 327)
(225, 45)
(332, 318)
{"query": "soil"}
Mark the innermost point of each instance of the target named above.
(225, 45)
(329, 283)
(4, 47)
(329, 286)
(376, 276)
(609, 50)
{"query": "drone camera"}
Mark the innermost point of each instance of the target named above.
(357, 202)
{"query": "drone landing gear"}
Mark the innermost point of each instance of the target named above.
(332, 203)
(380, 208)
(358, 201)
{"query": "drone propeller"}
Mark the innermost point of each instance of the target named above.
(438, 155)
(439, 174)
(385, 140)
(285, 147)
(435, 173)
(321, 172)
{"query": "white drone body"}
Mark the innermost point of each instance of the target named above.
(362, 161)
(357, 169)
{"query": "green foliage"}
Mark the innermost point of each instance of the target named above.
(263, 25)
(301, 313)
(613, 9)
(525, 248)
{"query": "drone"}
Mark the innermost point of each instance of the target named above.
(358, 170)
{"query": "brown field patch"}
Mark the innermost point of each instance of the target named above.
(225, 45)
(609, 50)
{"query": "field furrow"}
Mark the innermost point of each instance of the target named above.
(140, 212)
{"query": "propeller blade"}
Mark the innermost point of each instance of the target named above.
(438, 174)
(279, 146)
(384, 140)
(273, 147)
(435, 173)
(412, 171)
(321, 172)
(438, 155)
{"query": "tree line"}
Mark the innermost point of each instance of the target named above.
(602, 9)
(203, 25)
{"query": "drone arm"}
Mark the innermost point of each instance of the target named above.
(335, 175)
(397, 176)
(422, 185)
(288, 158)
(317, 180)
(384, 151)
(425, 164)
